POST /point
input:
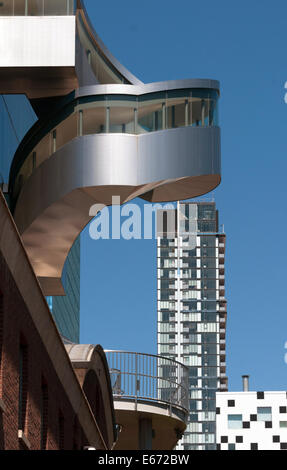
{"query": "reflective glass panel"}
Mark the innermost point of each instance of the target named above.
(94, 118)
(57, 7)
(6, 8)
(43, 149)
(20, 7)
(67, 130)
(122, 114)
(36, 7)
(177, 109)
(151, 113)
(264, 414)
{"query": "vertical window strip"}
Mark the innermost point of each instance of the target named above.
(76, 429)
(23, 386)
(61, 431)
(44, 415)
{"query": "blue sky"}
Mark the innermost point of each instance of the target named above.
(243, 45)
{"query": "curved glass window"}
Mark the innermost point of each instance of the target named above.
(121, 114)
(151, 112)
(37, 7)
(118, 114)
(103, 70)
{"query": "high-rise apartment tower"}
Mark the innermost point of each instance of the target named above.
(192, 311)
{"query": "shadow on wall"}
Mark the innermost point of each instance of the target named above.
(93, 392)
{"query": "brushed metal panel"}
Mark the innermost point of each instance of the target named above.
(42, 41)
(178, 153)
(161, 166)
(143, 88)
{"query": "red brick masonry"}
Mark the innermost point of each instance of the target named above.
(42, 403)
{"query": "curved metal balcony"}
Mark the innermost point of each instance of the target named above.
(152, 388)
(148, 378)
(109, 110)
(160, 142)
(113, 136)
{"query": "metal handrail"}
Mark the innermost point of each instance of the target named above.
(147, 377)
(146, 355)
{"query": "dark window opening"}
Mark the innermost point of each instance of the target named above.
(44, 415)
(23, 385)
(61, 424)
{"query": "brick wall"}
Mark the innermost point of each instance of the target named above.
(16, 327)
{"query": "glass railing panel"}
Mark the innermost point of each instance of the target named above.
(203, 108)
(25, 173)
(57, 7)
(17, 186)
(177, 109)
(20, 7)
(67, 130)
(44, 149)
(205, 112)
(71, 7)
(213, 113)
(28, 167)
(6, 8)
(94, 120)
(151, 113)
(36, 7)
(122, 113)
(196, 112)
(122, 120)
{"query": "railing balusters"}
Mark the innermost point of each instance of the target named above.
(149, 377)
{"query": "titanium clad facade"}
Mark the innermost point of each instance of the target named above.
(192, 313)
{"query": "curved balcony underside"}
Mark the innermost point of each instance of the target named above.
(160, 166)
(150, 399)
(168, 425)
